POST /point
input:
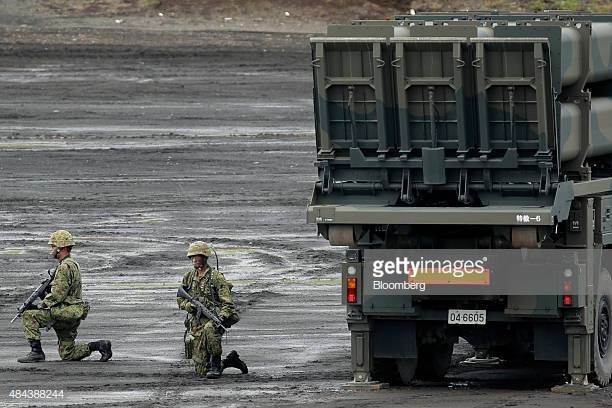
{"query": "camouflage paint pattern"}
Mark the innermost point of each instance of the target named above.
(601, 52)
(601, 129)
(407, 116)
(402, 108)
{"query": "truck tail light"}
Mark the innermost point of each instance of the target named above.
(351, 290)
(567, 299)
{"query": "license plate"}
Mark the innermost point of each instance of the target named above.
(463, 316)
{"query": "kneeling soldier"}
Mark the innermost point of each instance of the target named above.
(209, 287)
(62, 308)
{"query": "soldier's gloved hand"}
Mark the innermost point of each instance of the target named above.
(191, 308)
(32, 307)
(225, 321)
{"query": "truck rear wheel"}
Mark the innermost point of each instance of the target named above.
(434, 361)
(406, 368)
(602, 349)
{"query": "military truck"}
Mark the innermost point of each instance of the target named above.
(471, 130)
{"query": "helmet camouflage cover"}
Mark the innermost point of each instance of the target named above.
(61, 239)
(199, 248)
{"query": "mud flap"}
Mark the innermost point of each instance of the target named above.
(394, 339)
(549, 342)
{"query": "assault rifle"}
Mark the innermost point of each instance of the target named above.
(38, 293)
(202, 310)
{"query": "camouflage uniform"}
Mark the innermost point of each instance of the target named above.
(213, 291)
(63, 309)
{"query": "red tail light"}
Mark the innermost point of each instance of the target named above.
(567, 299)
(351, 290)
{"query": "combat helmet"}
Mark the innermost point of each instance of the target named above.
(61, 239)
(199, 248)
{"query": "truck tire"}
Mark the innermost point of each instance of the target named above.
(602, 349)
(434, 361)
(406, 368)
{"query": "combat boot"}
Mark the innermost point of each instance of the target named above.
(233, 360)
(104, 347)
(35, 355)
(215, 368)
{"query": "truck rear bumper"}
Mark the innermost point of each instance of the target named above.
(363, 214)
(377, 214)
